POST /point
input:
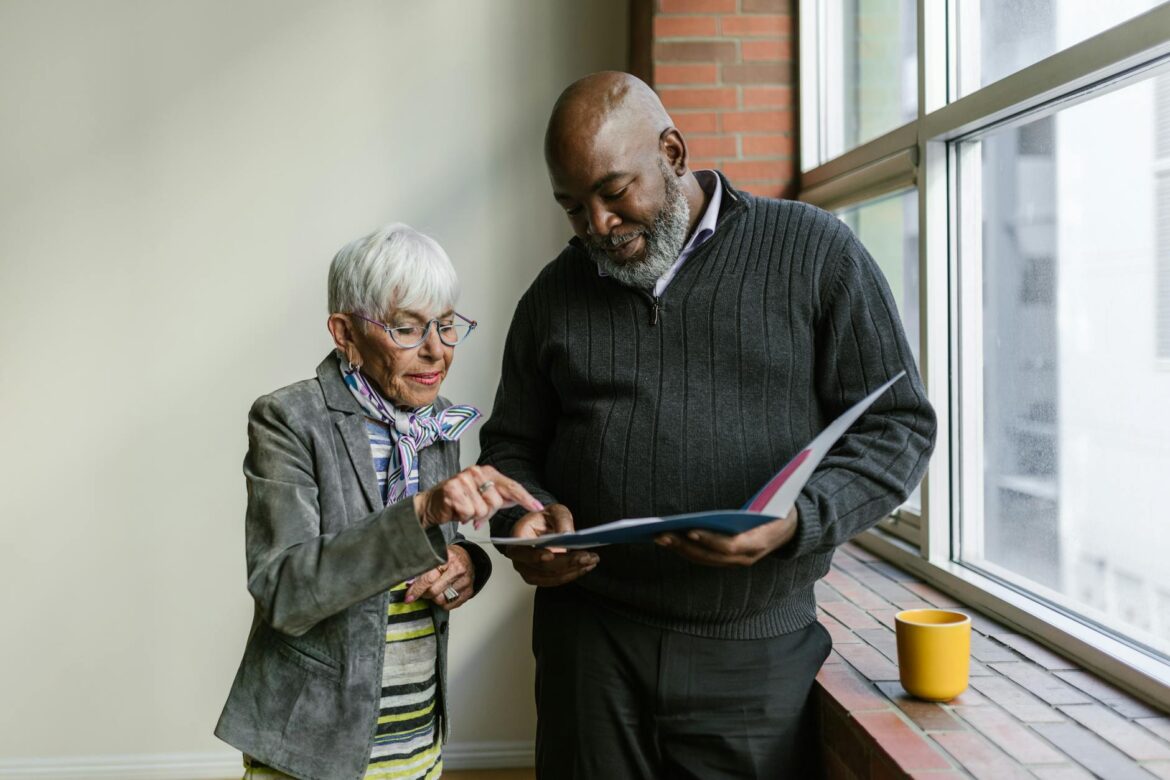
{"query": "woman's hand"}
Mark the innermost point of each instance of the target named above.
(472, 495)
(458, 573)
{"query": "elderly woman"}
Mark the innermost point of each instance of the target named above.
(354, 492)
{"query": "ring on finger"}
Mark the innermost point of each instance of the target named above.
(485, 486)
(450, 594)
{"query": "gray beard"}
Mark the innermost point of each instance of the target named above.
(664, 241)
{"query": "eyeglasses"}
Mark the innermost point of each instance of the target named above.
(411, 336)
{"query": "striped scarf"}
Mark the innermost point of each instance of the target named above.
(412, 429)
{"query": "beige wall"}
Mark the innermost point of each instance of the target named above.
(176, 177)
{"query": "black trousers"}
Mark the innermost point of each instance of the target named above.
(618, 699)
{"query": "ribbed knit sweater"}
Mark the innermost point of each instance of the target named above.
(620, 405)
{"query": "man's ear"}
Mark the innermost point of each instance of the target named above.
(674, 149)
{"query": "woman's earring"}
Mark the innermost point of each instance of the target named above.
(353, 368)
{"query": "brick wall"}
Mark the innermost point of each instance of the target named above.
(726, 71)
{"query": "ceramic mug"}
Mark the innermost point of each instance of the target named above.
(934, 652)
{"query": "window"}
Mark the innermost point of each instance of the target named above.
(1021, 214)
(996, 38)
(866, 69)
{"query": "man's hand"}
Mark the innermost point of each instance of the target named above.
(548, 566)
(458, 573)
(712, 549)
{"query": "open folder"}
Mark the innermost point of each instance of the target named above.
(774, 500)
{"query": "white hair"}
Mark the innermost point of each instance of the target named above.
(395, 267)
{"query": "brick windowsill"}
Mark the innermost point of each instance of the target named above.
(1027, 713)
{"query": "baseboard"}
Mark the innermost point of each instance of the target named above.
(487, 755)
(223, 765)
(226, 765)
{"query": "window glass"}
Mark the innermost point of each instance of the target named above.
(999, 37)
(1065, 424)
(869, 72)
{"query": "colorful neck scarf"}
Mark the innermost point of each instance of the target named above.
(410, 429)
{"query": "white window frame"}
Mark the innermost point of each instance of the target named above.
(923, 154)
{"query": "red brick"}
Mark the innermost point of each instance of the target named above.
(696, 6)
(935, 597)
(1016, 700)
(864, 658)
(684, 26)
(760, 73)
(839, 633)
(856, 551)
(686, 74)
(1160, 769)
(770, 146)
(756, 170)
(1090, 751)
(882, 640)
(1061, 772)
(927, 715)
(770, 50)
(909, 749)
(1017, 740)
(849, 690)
(764, 189)
(978, 757)
(748, 26)
(695, 51)
(768, 6)
(1048, 687)
(1034, 651)
(712, 146)
(696, 122)
(1107, 694)
(687, 97)
(842, 610)
(703, 164)
(1133, 740)
(1160, 726)
(768, 97)
(757, 121)
(852, 589)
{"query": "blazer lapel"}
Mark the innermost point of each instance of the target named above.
(351, 425)
(357, 444)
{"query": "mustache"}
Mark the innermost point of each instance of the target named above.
(614, 240)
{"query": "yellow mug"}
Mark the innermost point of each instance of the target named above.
(934, 652)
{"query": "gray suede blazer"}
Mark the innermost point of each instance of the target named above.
(322, 554)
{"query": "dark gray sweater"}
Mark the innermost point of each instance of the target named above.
(773, 327)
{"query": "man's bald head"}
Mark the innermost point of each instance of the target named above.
(601, 107)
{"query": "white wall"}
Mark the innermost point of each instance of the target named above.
(176, 177)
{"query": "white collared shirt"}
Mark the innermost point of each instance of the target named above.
(704, 230)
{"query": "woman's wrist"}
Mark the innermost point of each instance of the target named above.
(420, 503)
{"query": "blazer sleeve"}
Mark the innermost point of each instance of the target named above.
(297, 575)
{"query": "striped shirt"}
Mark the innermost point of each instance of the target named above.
(407, 743)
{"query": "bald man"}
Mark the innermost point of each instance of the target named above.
(687, 342)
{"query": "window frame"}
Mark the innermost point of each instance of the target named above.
(924, 154)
